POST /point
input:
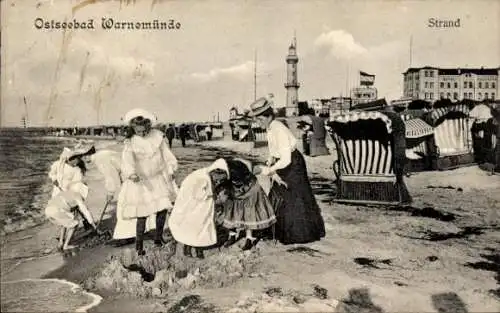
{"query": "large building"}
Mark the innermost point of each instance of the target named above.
(292, 85)
(433, 83)
(363, 94)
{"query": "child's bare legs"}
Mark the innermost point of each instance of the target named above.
(62, 232)
(69, 234)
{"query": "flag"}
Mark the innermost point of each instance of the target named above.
(366, 79)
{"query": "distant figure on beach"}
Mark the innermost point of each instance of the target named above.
(183, 134)
(299, 217)
(249, 208)
(318, 135)
(208, 132)
(148, 167)
(192, 221)
(170, 134)
(60, 209)
(399, 147)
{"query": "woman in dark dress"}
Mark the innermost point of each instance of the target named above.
(298, 215)
(249, 209)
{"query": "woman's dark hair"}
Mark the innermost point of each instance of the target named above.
(224, 187)
(239, 172)
(268, 113)
(80, 163)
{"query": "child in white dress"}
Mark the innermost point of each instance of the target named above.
(148, 166)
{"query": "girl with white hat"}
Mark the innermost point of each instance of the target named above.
(60, 208)
(148, 166)
(69, 168)
(192, 221)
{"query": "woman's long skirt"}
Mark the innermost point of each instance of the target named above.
(249, 210)
(298, 215)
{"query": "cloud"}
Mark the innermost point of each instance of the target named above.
(340, 44)
(237, 71)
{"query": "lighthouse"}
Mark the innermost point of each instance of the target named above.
(292, 85)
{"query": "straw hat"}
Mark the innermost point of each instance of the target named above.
(260, 105)
(139, 113)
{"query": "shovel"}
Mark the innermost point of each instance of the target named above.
(100, 220)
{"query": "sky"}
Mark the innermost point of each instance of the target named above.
(89, 77)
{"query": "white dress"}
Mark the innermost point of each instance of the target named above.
(64, 174)
(150, 158)
(192, 220)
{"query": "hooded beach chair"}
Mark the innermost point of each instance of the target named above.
(452, 133)
(420, 145)
(365, 157)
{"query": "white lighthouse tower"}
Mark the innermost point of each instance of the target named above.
(292, 85)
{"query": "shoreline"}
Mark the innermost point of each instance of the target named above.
(342, 232)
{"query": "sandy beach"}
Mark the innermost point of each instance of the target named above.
(440, 255)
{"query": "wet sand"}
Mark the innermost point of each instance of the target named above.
(372, 259)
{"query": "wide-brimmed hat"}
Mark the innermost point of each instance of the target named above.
(260, 106)
(81, 150)
(139, 113)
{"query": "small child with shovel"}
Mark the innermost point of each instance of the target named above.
(60, 208)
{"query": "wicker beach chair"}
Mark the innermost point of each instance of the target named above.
(365, 158)
(453, 136)
(420, 145)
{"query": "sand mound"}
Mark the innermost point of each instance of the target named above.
(276, 299)
(163, 271)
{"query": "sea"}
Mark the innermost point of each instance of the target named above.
(24, 191)
(24, 184)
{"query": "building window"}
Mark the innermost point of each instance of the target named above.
(479, 95)
(441, 85)
(471, 85)
(431, 95)
(493, 95)
(470, 95)
(465, 84)
(486, 95)
(448, 95)
(426, 84)
(480, 85)
(449, 85)
(465, 95)
(425, 74)
(456, 85)
(493, 85)
(441, 95)
(455, 95)
(431, 84)
(426, 95)
(431, 73)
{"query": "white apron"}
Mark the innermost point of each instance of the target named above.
(192, 220)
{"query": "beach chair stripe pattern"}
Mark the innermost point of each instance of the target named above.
(452, 136)
(365, 157)
(416, 128)
(439, 112)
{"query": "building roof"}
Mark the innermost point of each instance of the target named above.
(456, 71)
(373, 105)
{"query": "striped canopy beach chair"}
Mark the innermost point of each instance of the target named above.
(452, 134)
(365, 158)
(420, 145)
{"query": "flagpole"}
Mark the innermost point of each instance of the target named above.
(255, 76)
(411, 48)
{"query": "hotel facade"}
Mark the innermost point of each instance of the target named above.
(433, 83)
